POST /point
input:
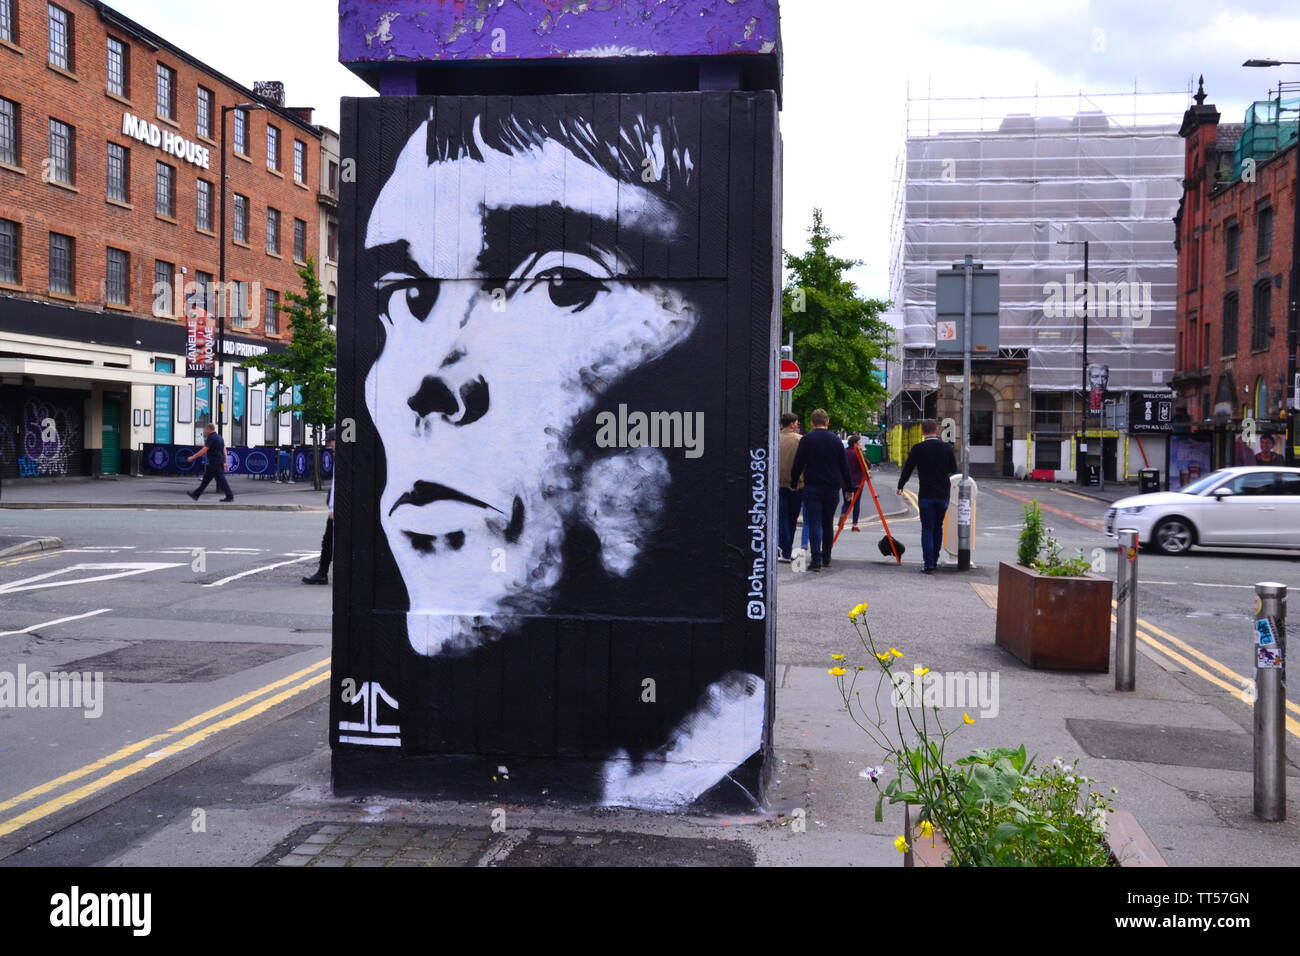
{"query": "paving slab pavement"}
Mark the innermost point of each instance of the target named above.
(161, 492)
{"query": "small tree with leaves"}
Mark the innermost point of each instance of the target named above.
(838, 336)
(307, 362)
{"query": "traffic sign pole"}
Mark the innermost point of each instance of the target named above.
(963, 490)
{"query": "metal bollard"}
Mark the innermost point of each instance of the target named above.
(1270, 699)
(1126, 610)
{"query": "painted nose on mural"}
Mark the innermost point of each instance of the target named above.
(466, 404)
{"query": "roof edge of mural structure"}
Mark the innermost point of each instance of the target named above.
(373, 36)
(1022, 191)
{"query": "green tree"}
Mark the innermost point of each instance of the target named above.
(307, 362)
(839, 336)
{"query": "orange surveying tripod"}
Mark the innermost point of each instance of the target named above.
(867, 482)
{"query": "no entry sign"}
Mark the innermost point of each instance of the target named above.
(789, 375)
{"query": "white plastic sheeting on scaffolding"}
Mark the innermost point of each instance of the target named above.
(1009, 196)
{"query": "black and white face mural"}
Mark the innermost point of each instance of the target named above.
(549, 399)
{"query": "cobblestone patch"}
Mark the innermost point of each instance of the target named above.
(377, 844)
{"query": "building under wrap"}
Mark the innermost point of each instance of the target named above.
(1009, 180)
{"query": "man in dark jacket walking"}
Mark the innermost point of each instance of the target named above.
(820, 460)
(934, 463)
(214, 448)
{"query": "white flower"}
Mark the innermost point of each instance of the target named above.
(1068, 768)
(1069, 780)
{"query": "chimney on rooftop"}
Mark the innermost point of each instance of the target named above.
(270, 90)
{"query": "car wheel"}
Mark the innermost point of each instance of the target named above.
(1173, 536)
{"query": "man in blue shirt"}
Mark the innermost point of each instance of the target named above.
(820, 460)
(215, 466)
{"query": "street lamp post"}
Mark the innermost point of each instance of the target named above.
(1087, 412)
(1293, 306)
(218, 398)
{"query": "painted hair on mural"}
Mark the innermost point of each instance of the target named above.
(647, 152)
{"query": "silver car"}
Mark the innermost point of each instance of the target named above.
(1247, 507)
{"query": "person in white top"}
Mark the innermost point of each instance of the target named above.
(322, 576)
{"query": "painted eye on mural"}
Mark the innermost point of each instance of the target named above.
(569, 288)
(408, 298)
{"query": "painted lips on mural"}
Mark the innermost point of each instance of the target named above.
(493, 351)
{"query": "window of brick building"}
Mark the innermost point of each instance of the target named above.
(299, 161)
(241, 132)
(1263, 231)
(272, 147)
(239, 227)
(165, 191)
(1231, 246)
(203, 205)
(332, 241)
(271, 311)
(62, 263)
(116, 269)
(300, 240)
(119, 72)
(1230, 306)
(166, 92)
(273, 231)
(119, 172)
(63, 140)
(10, 270)
(9, 127)
(1259, 315)
(334, 176)
(61, 53)
(203, 112)
(205, 292)
(8, 24)
(164, 297)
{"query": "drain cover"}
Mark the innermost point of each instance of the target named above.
(1174, 746)
(555, 848)
(181, 662)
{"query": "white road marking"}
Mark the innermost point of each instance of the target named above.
(244, 574)
(121, 571)
(62, 620)
(1199, 584)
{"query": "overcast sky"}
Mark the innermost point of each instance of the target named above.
(848, 68)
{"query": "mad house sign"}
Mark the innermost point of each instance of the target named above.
(555, 565)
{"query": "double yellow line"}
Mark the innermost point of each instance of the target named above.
(294, 684)
(1239, 690)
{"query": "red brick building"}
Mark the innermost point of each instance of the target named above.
(110, 164)
(1234, 233)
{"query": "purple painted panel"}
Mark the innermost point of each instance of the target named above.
(385, 30)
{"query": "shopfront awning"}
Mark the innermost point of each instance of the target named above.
(85, 374)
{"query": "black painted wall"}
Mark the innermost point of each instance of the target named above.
(657, 562)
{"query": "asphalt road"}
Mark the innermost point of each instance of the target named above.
(197, 622)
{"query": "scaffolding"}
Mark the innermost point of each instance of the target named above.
(1009, 180)
(1271, 126)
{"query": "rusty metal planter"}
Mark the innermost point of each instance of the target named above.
(1128, 843)
(1055, 623)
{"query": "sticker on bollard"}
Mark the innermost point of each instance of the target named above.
(1267, 653)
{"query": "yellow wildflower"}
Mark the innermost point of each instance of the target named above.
(860, 609)
(837, 657)
(967, 718)
(901, 844)
(896, 652)
(884, 656)
(920, 671)
(926, 828)
(837, 672)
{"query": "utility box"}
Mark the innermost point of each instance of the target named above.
(1148, 481)
(558, 277)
